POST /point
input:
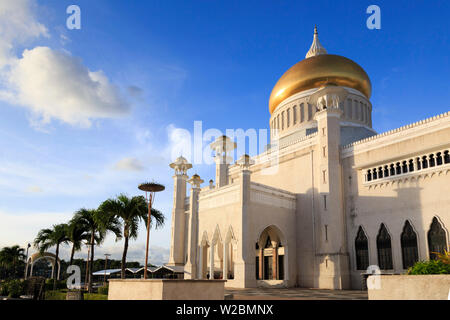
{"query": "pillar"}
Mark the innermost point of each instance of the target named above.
(222, 146)
(211, 262)
(190, 269)
(177, 245)
(261, 263)
(53, 269)
(331, 226)
(275, 263)
(200, 262)
(225, 261)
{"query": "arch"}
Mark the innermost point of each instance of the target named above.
(228, 257)
(216, 236)
(384, 248)
(361, 250)
(204, 241)
(39, 256)
(437, 238)
(271, 260)
(408, 241)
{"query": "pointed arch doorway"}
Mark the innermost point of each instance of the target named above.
(271, 257)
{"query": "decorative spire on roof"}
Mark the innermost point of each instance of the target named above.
(316, 47)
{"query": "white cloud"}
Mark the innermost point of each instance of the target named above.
(57, 85)
(35, 189)
(51, 84)
(179, 143)
(17, 26)
(129, 164)
(19, 228)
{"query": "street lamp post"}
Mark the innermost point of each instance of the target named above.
(150, 189)
(26, 261)
(87, 266)
(106, 261)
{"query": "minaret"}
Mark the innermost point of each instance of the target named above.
(190, 269)
(244, 265)
(177, 250)
(222, 146)
(332, 259)
(316, 47)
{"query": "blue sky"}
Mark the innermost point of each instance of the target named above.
(163, 65)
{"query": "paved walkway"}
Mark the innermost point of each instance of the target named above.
(295, 294)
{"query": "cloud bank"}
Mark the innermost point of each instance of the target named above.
(52, 84)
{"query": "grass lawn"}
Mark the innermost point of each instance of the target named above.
(61, 295)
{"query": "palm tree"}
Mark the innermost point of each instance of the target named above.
(130, 211)
(96, 224)
(48, 238)
(76, 233)
(10, 256)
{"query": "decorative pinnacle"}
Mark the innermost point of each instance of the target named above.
(316, 47)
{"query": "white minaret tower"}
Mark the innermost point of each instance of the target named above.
(190, 269)
(222, 147)
(177, 250)
(332, 259)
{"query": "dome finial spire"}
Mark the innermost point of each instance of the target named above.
(316, 47)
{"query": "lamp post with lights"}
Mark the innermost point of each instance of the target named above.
(150, 189)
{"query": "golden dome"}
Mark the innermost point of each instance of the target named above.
(318, 70)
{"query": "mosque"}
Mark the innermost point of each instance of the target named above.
(327, 199)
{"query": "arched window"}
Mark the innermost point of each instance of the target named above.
(432, 163)
(362, 250)
(392, 172)
(302, 113)
(398, 168)
(411, 165)
(424, 162)
(446, 157)
(418, 164)
(348, 111)
(288, 118)
(439, 158)
(437, 239)
(404, 167)
(408, 238)
(294, 114)
(386, 171)
(384, 249)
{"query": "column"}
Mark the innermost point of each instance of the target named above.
(225, 261)
(261, 263)
(211, 262)
(53, 269)
(200, 261)
(275, 263)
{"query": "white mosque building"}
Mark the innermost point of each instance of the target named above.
(327, 199)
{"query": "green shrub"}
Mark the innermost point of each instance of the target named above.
(429, 267)
(95, 296)
(4, 288)
(15, 288)
(60, 284)
(103, 290)
(56, 295)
